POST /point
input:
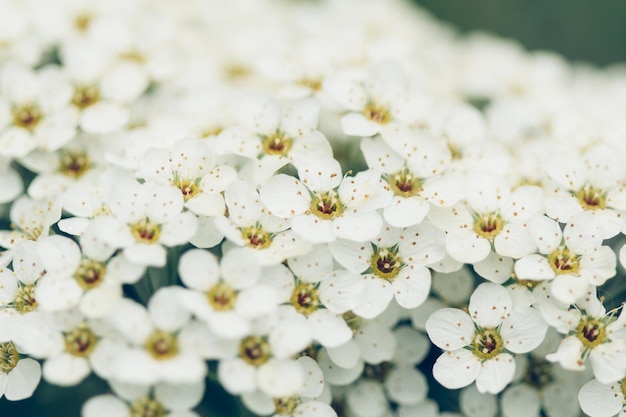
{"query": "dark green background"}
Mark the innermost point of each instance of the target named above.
(593, 31)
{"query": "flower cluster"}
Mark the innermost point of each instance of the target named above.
(296, 200)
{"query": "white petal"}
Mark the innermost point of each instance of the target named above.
(376, 342)
(313, 229)
(337, 375)
(520, 401)
(456, 369)
(496, 268)
(103, 117)
(406, 386)
(236, 376)
(545, 232)
(412, 346)
(495, 374)
(405, 212)
(490, 304)
(280, 378)
(146, 254)
(523, 331)
(328, 328)
(475, 404)
(450, 328)
(600, 400)
(358, 225)
(23, 380)
(65, 369)
(376, 296)
(285, 196)
(582, 234)
(166, 311)
(198, 269)
(533, 267)
(367, 399)
(179, 397)
(412, 286)
(314, 266)
(314, 378)
(353, 256)
(345, 356)
(105, 406)
(342, 291)
(467, 247)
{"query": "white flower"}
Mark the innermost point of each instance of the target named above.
(480, 345)
(255, 367)
(393, 266)
(274, 135)
(19, 377)
(34, 111)
(143, 219)
(415, 181)
(91, 280)
(156, 351)
(227, 296)
(323, 207)
(591, 333)
(251, 225)
(31, 220)
(376, 98)
(306, 402)
(590, 182)
(493, 215)
(191, 167)
(572, 259)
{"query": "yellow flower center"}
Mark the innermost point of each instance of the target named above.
(82, 22)
(378, 372)
(286, 406)
(27, 116)
(222, 297)
(327, 206)
(254, 350)
(487, 344)
(386, 263)
(404, 183)
(8, 357)
(80, 341)
(146, 231)
(74, 163)
(591, 332)
(305, 298)
(255, 237)
(146, 407)
(591, 198)
(90, 274)
(314, 84)
(85, 95)
(188, 188)
(563, 261)
(376, 113)
(623, 386)
(162, 345)
(25, 301)
(488, 226)
(276, 144)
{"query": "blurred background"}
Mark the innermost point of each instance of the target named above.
(580, 30)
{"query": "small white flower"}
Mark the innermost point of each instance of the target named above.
(480, 345)
(143, 219)
(591, 333)
(323, 207)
